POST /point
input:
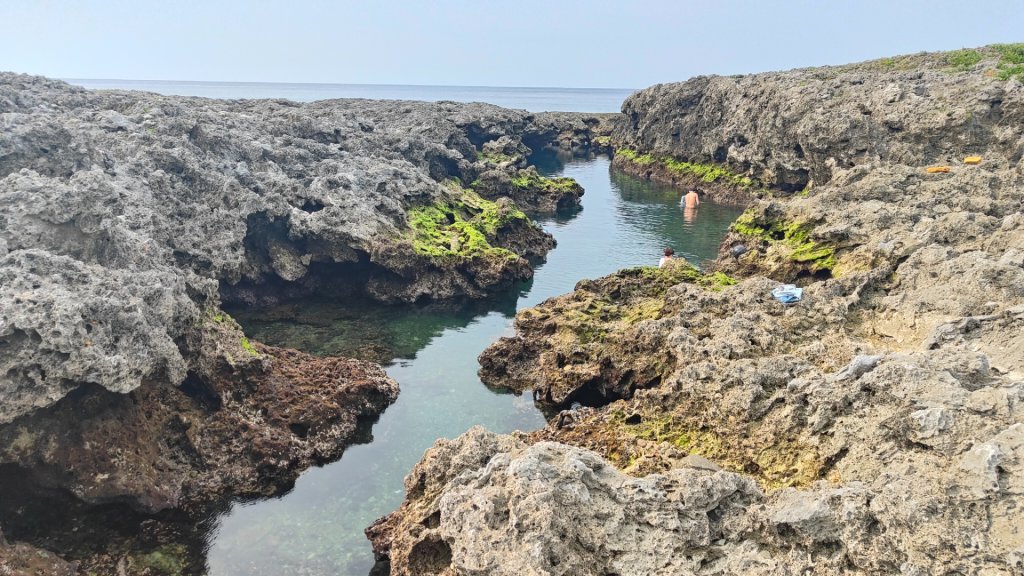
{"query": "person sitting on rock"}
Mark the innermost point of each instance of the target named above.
(668, 256)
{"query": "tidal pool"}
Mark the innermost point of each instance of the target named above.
(317, 527)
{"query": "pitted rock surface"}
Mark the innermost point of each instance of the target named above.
(797, 128)
(122, 213)
(20, 559)
(263, 416)
(881, 414)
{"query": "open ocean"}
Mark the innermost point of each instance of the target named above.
(532, 99)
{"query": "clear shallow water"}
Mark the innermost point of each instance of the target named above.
(532, 99)
(431, 351)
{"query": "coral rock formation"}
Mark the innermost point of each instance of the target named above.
(874, 427)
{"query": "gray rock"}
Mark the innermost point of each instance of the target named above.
(884, 413)
(857, 367)
(125, 217)
(64, 323)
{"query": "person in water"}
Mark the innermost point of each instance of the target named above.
(691, 200)
(668, 256)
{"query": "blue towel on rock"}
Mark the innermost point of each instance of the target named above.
(788, 293)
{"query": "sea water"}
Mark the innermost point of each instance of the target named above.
(525, 98)
(431, 351)
(317, 527)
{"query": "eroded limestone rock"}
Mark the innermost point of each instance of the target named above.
(880, 416)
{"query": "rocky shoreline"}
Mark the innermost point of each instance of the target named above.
(874, 427)
(127, 218)
(702, 426)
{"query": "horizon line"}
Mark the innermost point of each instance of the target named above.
(242, 82)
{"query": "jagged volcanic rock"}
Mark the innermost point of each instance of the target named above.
(792, 129)
(126, 217)
(121, 214)
(882, 416)
(20, 559)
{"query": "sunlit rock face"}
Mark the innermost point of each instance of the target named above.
(126, 219)
(874, 427)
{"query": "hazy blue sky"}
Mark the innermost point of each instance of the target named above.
(618, 44)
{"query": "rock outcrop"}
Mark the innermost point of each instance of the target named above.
(265, 416)
(790, 130)
(881, 416)
(506, 507)
(126, 218)
(20, 559)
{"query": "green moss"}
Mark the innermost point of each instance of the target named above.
(530, 180)
(635, 157)
(495, 157)
(718, 280)
(462, 228)
(796, 235)
(646, 309)
(667, 429)
(823, 257)
(658, 280)
(963, 60)
(777, 465)
(167, 561)
(602, 140)
(705, 172)
(248, 347)
(589, 333)
(747, 225)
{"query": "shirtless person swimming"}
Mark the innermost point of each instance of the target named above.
(691, 200)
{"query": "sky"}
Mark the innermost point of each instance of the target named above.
(595, 44)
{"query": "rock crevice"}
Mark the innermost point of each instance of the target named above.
(875, 425)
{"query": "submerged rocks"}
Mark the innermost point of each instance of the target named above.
(20, 559)
(126, 218)
(246, 426)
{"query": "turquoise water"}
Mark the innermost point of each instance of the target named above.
(317, 528)
(532, 99)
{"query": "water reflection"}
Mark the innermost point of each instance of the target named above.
(689, 214)
(431, 350)
(317, 528)
(361, 328)
(693, 233)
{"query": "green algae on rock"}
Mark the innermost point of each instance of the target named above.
(796, 236)
(527, 188)
(704, 172)
(600, 318)
(462, 228)
(717, 181)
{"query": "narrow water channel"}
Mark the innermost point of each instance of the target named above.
(317, 528)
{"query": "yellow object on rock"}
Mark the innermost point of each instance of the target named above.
(972, 160)
(937, 169)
